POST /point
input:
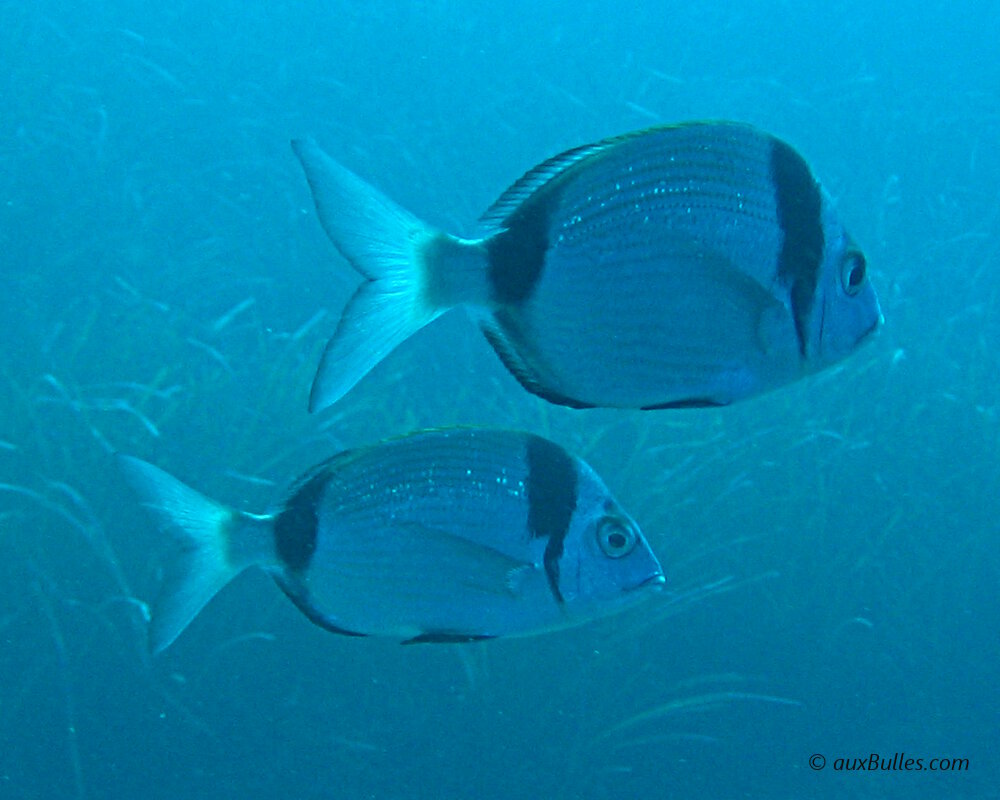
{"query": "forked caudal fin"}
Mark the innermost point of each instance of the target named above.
(206, 557)
(393, 250)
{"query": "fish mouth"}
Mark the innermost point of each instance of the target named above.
(866, 335)
(878, 323)
(654, 582)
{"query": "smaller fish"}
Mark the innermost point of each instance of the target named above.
(439, 536)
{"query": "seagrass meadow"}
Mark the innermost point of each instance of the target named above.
(166, 291)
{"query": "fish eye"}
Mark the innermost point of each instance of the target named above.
(616, 537)
(853, 271)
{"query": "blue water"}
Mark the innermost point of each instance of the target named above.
(830, 548)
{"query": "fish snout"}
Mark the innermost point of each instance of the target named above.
(654, 582)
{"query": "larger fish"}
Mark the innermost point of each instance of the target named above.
(447, 535)
(687, 265)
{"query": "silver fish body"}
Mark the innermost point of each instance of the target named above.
(447, 535)
(685, 265)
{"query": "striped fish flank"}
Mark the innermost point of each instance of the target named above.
(684, 265)
(439, 536)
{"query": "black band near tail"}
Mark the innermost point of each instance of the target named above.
(517, 254)
(296, 528)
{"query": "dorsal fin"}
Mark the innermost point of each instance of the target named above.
(533, 179)
(552, 168)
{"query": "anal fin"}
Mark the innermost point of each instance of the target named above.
(447, 637)
(523, 371)
(300, 597)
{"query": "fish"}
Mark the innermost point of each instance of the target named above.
(685, 265)
(448, 535)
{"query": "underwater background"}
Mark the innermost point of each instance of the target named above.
(166, 290)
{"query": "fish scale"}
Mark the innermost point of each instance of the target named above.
(398, 482)
(695, 193)
(646, 344)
